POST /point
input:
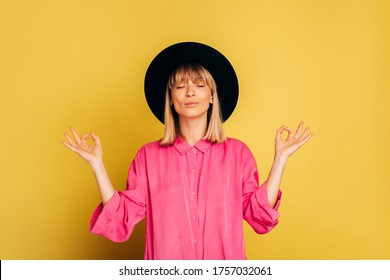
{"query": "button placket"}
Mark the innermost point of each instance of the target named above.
(192, 156)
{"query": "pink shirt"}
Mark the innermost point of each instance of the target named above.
(194, 199)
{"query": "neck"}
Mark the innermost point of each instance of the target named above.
(192, 130)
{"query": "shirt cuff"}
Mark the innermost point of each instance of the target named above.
(103, 215)
(263, 209)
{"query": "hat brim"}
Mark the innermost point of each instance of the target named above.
(169, 59)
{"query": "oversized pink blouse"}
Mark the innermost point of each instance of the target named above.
(194, 199)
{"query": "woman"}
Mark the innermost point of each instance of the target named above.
(195, 185)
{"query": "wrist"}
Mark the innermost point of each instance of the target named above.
(96, 164)
(281, 156)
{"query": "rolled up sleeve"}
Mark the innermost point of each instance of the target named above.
(118, 217)
(257, 210)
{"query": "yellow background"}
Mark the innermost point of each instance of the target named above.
(82, 64)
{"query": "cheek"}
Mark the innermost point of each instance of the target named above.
(176, 104)
(175, 97)
(207, 97)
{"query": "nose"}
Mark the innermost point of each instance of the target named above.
(190, 90)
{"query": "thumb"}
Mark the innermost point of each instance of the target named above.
(96, 139)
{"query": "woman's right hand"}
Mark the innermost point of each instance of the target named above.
(79, 145)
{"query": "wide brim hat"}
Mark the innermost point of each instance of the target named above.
(169, 59)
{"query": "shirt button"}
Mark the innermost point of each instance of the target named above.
(194, 217)
(194, 240)
(193, 193)
(193, 170)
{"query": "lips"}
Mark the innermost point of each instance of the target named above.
(191, 104)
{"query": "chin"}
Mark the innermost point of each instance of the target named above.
(193, 115)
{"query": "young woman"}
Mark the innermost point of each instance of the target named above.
(194, 186)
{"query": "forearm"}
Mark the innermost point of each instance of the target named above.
(275, 177)
(106, 189)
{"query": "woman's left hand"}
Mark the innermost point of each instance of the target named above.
(293, 142)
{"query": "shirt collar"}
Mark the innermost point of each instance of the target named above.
(183, 147)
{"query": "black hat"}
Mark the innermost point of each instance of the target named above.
(169, 59)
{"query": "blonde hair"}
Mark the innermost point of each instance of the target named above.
(184, 72)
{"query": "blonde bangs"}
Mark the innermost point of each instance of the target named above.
(191, 72)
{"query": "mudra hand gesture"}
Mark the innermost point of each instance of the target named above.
(293, 142)
(80, 146)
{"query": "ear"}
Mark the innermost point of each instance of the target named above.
(211, 100)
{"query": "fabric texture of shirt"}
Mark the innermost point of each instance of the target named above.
(194, 199)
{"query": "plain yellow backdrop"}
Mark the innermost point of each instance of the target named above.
(82, 64)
